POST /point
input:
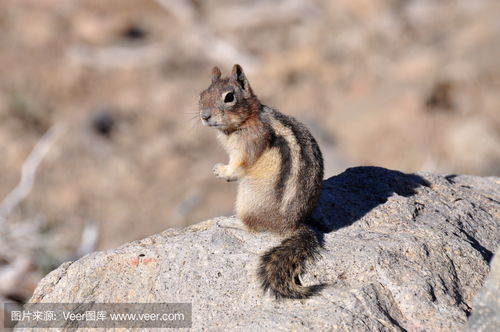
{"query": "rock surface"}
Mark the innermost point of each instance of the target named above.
(486, 305)
(402, 252)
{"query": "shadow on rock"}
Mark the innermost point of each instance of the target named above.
(347, 197)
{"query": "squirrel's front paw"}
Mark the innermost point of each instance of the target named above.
(221, 172)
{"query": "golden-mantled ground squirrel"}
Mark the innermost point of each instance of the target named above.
(279, 167)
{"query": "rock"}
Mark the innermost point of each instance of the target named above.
(486, 305)
(402, 252)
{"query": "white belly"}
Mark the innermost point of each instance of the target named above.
(256, 190)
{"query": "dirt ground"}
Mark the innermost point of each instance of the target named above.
(404, 84)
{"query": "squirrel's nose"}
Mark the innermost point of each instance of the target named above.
(205, 115)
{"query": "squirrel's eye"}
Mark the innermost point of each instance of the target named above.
(229, 97)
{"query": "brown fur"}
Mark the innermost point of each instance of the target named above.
(280, 170)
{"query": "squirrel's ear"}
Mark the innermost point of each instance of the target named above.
(238, 75)
(215, 74)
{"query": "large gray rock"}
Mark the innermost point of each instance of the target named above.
(402, 252)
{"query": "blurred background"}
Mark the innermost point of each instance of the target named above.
(107, 91)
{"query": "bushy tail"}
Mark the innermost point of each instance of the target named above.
(281, 266)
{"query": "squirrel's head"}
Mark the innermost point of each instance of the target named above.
(228, 102)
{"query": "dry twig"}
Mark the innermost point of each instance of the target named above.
(28, 171)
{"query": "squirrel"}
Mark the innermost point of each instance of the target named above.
(279, 169)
